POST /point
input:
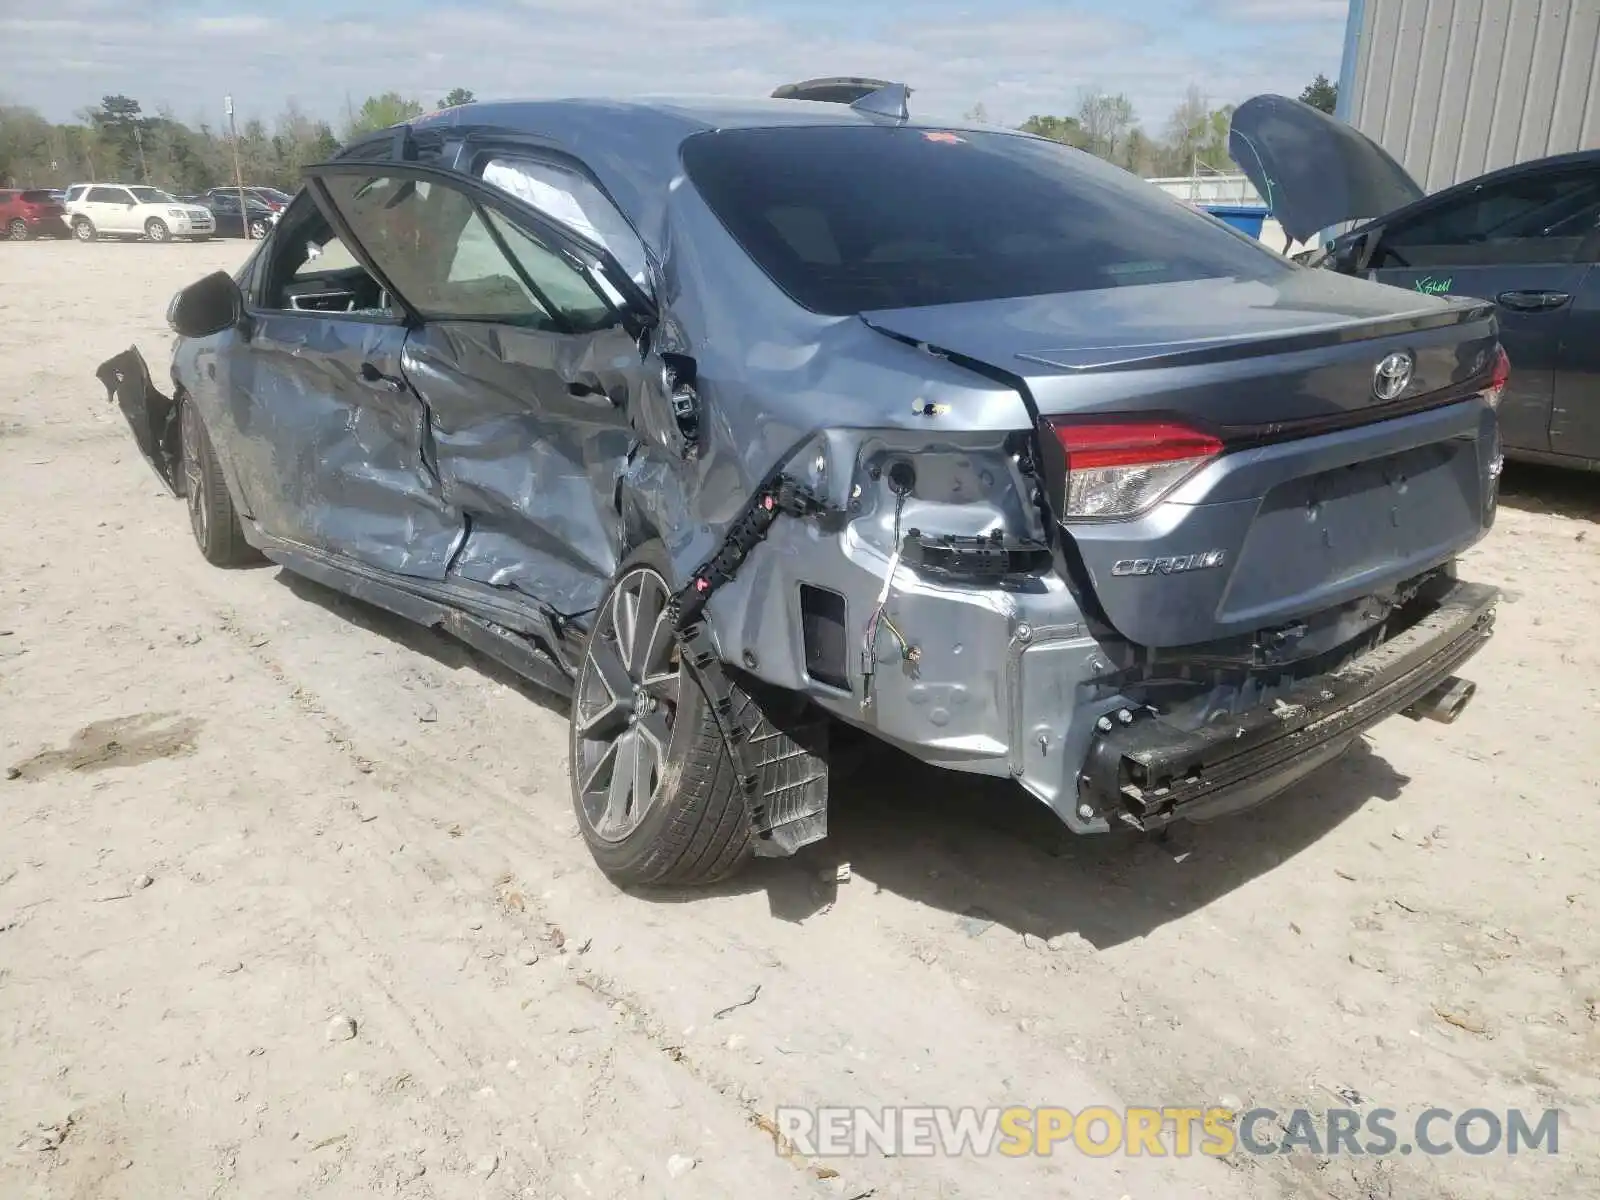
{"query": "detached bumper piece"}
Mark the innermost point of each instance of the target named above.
(1147, 773)
(779, 758)
(152, 414)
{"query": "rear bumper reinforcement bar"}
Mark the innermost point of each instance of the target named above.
(1150, 772)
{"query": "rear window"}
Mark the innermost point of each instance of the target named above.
(39, 197)
(847, 219)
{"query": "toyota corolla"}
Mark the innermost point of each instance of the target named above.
(744, 421)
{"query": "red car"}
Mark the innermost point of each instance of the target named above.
(31, 214)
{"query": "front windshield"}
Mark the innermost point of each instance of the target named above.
(150, 195)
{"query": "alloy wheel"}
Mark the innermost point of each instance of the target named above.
(258, 229)
(83, 231)
(625, 706)
(194, 486)
(18, 230)
(156, 231)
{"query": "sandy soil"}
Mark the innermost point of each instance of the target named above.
(244, 808)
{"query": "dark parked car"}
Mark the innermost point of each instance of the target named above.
(274, 199)
(257, 222)
(747, 423)
(1526, 238)
(32, 213)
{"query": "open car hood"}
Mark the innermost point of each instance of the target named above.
(1313, 170)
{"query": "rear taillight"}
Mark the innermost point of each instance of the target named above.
(1116, 470)
(1499, 376)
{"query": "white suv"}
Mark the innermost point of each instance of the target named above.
(114, 210)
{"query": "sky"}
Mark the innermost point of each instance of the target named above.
(1015, 57)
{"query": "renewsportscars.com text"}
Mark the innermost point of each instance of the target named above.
(1163, 1131)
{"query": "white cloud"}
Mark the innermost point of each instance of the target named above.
(244, 26)
(1282, 11)
(1014, 60)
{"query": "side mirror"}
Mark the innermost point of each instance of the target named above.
(206, 307)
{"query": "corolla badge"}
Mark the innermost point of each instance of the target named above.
(1392, 376)
(1176, 564)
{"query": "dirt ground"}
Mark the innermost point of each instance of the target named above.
(246, 813)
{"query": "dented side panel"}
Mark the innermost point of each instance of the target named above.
(325, 457)
(529, 430)
(784, 375)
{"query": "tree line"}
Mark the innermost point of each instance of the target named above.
(119, 141)
(1193, 140)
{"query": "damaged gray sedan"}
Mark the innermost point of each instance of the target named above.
(748, 423)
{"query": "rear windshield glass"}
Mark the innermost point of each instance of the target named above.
(847, 219)
(39, 197)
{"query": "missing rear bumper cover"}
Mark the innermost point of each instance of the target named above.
(1151, 772)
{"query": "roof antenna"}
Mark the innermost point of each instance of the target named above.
(891, 100)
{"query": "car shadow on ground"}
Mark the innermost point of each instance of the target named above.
(982, 851)
(1540, 489)
(443, 649)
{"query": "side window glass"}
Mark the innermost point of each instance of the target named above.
(306, 269)
(1533, 219)
(329, 256)
(563, 287)
(444, 255)
(105, 195)
(571, 199)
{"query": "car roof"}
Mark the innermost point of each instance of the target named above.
(690, 113)
(631, 145)
(1553, 162)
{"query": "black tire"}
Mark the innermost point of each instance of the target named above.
(695, 826)
(156, 230)
(83, 229)
(212, 517)
(17, 231)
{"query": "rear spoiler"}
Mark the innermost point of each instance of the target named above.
(835, 89)
(875, 96)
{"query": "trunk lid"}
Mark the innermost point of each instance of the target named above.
(1312, 170)
(1323, 490)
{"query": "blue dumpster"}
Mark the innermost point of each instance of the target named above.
(1246, 218)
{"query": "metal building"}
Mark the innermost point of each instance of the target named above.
(1454, 88)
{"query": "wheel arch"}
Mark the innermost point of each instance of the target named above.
(182, 396)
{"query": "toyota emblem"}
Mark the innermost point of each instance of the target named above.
(1392, 376)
